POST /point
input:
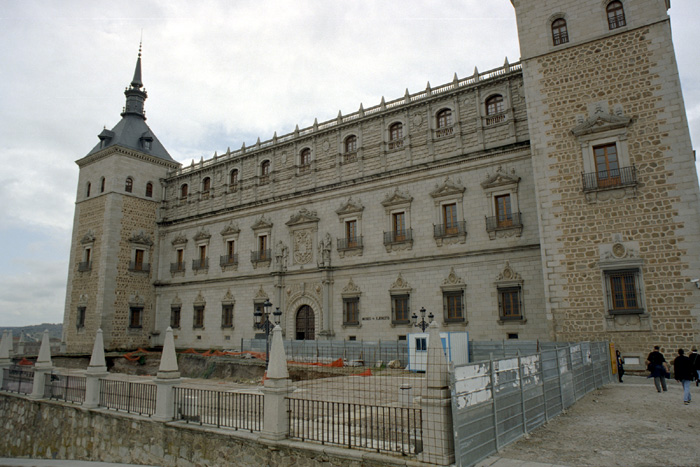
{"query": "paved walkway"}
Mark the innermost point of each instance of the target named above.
(54, 463)
(501, 462)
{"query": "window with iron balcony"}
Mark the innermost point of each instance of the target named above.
(608, 172)
(444, 124)
(395, 136)
(495, 110)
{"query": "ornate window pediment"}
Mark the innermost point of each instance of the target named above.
(261, 294)
(230, 230)
(136, 300)
(447, 189)
(199, 300)
(202, 234)
(141, 238)
(508, 276)
(349, 208)
(176, 301)
(89, 237)
(351, 289)
(180, 239)
(499, 180)
(453, 282)
(397, 198)
(262, 224)
(601, 121)
(400, 286)
(228, 298)
(304, 216)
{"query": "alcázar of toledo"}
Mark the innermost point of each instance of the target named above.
(551, 199)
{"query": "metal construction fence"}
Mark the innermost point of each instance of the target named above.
(237, 410)
(395, 430)
(65, 388)
(128, 396)
(18, 379)
(362, 353)
(497, 401)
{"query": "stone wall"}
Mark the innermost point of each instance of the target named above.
(51, 430)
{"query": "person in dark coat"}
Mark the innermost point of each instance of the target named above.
(684, 372)
(695, 361)
(657, 366)
(620, 365)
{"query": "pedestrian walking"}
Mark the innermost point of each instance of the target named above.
(684, 372)
(658, 369)
(620, 365)
(695, 361)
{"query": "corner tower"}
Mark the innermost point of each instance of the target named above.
(110, 283)
(616, 184)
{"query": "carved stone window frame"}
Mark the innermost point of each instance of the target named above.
(87, 253)
(499, 184)
(229, 233)
(228, 301)
(444, 194)
(506, 280)
(176, 304)
(201, 239)
(142, 242)
(136, 304)
(179, 243)
(400, 289)
(505, 117)
(397, 144)
(258, 301)
(453, 284)
(447, 132)
(199, 305)
(305, 169)
(623, 256)
(395, 203)
(599, 129)
(350, 211)
(262, 227)
(351, 292)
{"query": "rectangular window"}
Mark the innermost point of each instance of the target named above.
(509, 303)
(80, 321)
(202, 254)
(230, 249)
(449, 218)
(453, 303)
(504, 215)
(175, 317)
(351, 233)
(606, 165)
(180, 257)
(400, 309)
(138, 260)
(351, 311)
(227, 316)
(262, 247)
(398, 220)
(135, 316)
(624, 294)
(198, 317)
(421, 344)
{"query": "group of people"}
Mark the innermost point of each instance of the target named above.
(686, 369)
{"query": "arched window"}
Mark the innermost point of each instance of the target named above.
(444, 118)
(351, 144)
(396, 136)
(616, 15)
(102, 185)
(494, 105)
(305, 157)
(149, 190)
(183, 191)
(129, 185)
(560, 34)
(233, 180)
(265, 172)
(87, 192)
(206, 186)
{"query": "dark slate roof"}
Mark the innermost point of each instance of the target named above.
(128, 133)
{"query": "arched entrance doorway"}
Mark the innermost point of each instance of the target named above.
(305, 324)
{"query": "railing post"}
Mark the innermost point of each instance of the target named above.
(167, 377)
(436, 405)
(277, 388)
(42, 367)
(96, 369)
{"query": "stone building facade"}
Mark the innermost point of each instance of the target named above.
(555, 198)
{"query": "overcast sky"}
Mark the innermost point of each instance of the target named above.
(219, 74)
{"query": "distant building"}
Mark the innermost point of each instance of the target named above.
(555, 198)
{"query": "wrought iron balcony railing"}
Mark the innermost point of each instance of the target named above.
(604, 179)
(350, 243)
(198, 264)
(84, 266)
(450, 230)
(510, 221)
(398, 236)
(177, 267)
(139, 267)
(228, 260)
(260, 256)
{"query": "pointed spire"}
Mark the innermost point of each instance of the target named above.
(97, 360)
(296, 130)
(168, 361)
(506, 65)
(274, 138)
(316, 124)
(455, 79)
(135, 96)
(406, 97)
(257, 143)
(44, 358)
(340, 117)
(362, 110)
(428, 89)
(382, 104)
(476, 74)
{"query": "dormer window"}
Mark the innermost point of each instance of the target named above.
(560, 33)
(129, 185)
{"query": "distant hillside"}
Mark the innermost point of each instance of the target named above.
(35, 332)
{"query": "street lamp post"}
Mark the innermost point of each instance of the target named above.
(266, 325)
(422, 324)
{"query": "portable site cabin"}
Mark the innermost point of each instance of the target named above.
(455, 345)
